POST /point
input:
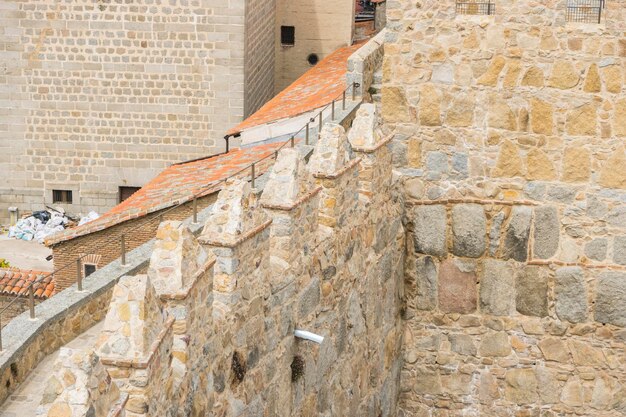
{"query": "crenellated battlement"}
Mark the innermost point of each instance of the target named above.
(210, 328)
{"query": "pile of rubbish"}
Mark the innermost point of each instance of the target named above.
(42, 224)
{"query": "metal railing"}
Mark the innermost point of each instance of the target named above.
(585, 11)
(475, 8)
(121, 239)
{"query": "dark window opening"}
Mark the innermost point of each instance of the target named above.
(126, 192)
(287, 35)
(313, 59)
(475, 7)
(585, 11)
(89, 269)
(62, 196)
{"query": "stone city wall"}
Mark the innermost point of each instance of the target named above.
(95, 95)
(213, 321)
(509, 136)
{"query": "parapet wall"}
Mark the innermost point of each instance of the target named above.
(210, 329)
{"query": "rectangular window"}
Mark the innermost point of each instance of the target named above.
(287, 35)
(88, 269)
(126, 192)
(585, 11)
(475, 7)
(62, 196)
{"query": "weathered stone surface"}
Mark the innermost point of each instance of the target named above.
(517, 234)
(429, 235)
(613, 78)
(572, 393)
(554, 349)
(509, 161)
(593, 84)
(426, 273)
(430, 106)
(364, 131)
(576, 165)
(619, 250)
(488, 388)
(596, 249)
(414, 152)
(612, 174)
(495, 344)
(461, 112)
(539, 166)
(610, 305)
(584, 354)
(490, 77)
(531, 286)
(457, 287)
(582, 121)
(541, 116)
(619, 118)
(394, 105)
(570, 294)
(469, 229)
(521, 386)
(501, 116)
(533, 77)
(564, 75)
(428, 381)
(462, 344)
(497, 288)
(546, 232)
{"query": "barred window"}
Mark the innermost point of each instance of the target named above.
(473, 7)
(585, 11)
(62, 196)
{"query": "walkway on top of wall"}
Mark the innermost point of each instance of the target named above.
(25, 400)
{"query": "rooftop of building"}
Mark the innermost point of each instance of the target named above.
(176, 185)
(16, 282)
(315, 89)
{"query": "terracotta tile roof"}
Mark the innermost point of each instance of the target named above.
(15, 281)
(315, 89)
(175, 185)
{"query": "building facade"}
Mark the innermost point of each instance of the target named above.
(306, 32)
(97, 96)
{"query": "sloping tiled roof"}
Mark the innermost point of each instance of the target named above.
(316, 88)
(177, 184)
(15, 281)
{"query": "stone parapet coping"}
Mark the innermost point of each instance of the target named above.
(231, 243)
(141, 363)
(300, 201)
(118, 407)
(548, 262)
(353, 163)
(372, 149)
(472, 201)
(182, 295)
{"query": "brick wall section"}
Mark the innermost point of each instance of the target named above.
(259, 54)
(107, 242)
(97, 95)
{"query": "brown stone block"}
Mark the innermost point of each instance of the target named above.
(457, 286)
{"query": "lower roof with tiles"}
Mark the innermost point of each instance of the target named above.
(176, 185)
(318, 87)
(16, 282)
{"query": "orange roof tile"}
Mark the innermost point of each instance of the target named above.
(177, 184)
(316, 88)
(15, 282)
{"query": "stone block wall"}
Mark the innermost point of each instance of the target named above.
(98, 95)
(508, 135)
(493, 330)
(342, 281)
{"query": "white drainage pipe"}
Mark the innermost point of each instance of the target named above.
(303, 334)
